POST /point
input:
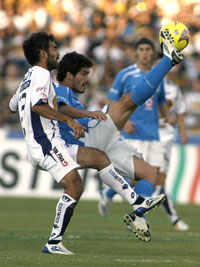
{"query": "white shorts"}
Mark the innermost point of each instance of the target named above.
(60, 161)
(151, 151)
(105, 137)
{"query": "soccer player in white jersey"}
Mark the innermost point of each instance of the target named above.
(167, 132)
(35, 101)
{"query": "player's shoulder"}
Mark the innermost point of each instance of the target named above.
(37, 70)
(132, 72)
(60, 89)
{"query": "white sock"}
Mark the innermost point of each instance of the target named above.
(64, 212)
(111, 178)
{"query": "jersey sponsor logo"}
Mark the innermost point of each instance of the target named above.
(60, 157)
(43, 93)
(41, 89)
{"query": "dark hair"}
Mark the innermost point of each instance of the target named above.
(144, 41)
(34, 43)
(72, 62)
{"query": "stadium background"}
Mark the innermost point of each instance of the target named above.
(106, 31)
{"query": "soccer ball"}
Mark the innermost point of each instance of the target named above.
(178, 32)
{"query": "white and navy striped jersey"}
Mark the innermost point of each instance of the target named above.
(39, 132)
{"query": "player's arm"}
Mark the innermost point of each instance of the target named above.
(13, 104)
(129, 127)
(183, 132)
(46, 111)
(81, 113)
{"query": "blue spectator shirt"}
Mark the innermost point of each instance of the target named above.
(146, 115)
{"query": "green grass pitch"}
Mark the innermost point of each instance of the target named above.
(25, 225)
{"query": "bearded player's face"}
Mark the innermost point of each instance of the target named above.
(53, 56)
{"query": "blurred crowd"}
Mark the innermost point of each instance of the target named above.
(104, 30)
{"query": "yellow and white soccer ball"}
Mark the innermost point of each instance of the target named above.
(179, 32)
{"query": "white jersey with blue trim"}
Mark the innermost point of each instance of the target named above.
(145, 116)
(176, 105)
(39, 132)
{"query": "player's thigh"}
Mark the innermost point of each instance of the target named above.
(89, 157)
(144, 170)
(121, 110)
(121, 155)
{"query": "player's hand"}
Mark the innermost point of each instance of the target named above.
(78, 129)
(97, 115)
(184, 138)
(129, 127)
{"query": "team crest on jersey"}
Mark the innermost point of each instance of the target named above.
(149, 103)
(60, 157)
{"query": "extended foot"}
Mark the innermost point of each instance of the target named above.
(56, 249)
(145, 204)
(139, 226)
(168, 47)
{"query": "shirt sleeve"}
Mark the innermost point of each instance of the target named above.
(13, 104)
(40, 88)
(63, 96)
(116, 89)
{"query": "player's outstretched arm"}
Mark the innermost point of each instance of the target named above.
(80, 113)
(46, 111)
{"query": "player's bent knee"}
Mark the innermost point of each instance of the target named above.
(73, 184)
